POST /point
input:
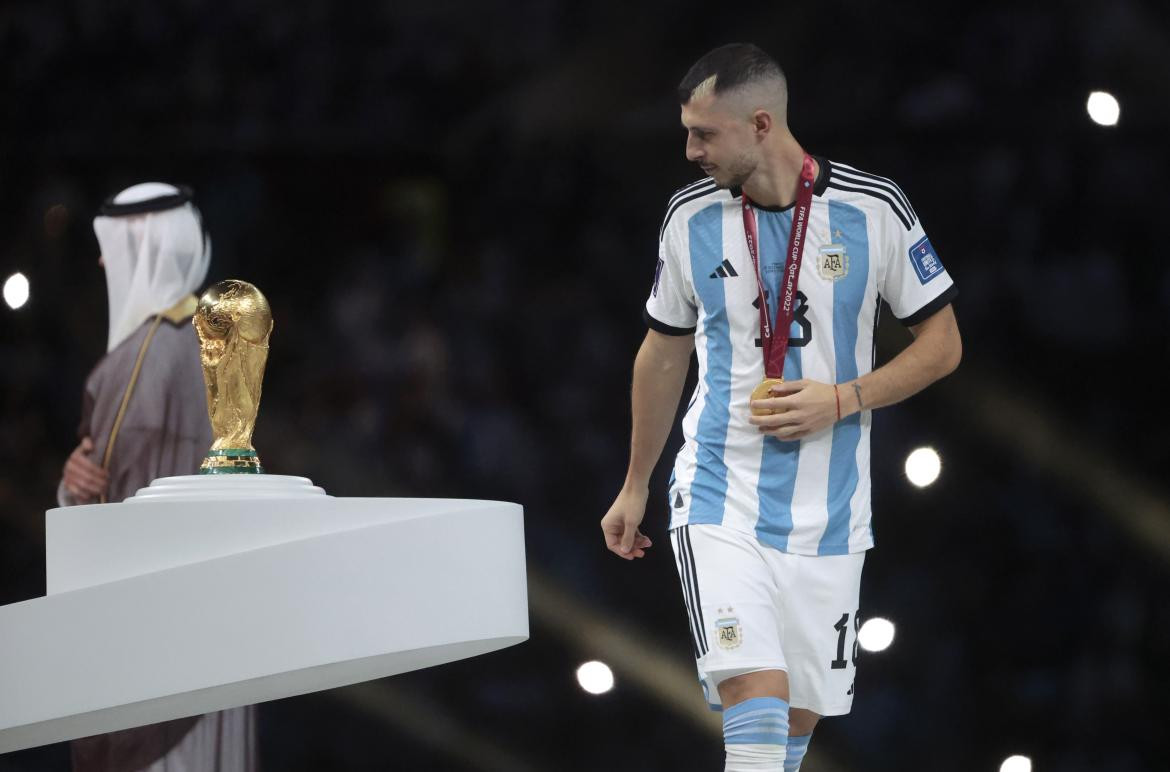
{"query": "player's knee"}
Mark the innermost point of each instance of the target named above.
(762, 683)
(802, 722)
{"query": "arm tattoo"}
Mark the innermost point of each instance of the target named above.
(857, 391)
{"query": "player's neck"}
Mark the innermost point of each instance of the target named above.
(774, 182)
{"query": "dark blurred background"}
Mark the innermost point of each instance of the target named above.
(453, 208)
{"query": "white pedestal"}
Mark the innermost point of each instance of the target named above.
(203, 593)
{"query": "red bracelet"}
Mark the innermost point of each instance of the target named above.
(838, 394)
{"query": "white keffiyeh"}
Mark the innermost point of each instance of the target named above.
(152, 260)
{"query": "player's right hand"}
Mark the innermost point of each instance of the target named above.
(84, 480)
(620, 525)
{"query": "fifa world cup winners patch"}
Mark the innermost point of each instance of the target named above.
(926, 263)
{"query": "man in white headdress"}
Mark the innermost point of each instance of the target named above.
(144, 416)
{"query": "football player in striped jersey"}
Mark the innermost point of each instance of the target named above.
(770, 494)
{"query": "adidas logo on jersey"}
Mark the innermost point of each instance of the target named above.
(723, 271)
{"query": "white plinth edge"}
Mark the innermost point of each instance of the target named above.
(185, 600)
(209, 487)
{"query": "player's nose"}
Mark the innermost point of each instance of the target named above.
(694, 150)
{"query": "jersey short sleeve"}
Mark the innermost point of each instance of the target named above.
(671, 308)
(915, 284)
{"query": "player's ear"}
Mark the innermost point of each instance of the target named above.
(762, 123)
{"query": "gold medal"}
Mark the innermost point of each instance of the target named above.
(764, 391)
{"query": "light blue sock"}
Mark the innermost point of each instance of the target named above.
(797, 746)
(755, 733)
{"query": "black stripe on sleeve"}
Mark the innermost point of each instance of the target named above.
(665, 328)
(852, 178)
(933, 307)
(875, 193)
(702, 191)
(689, 189)
(897, 190)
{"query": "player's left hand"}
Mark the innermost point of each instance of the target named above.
(810, 407)
(620, 524)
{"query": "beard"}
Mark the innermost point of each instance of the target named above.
(735, 173)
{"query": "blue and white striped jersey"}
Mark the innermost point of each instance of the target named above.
(864, 243)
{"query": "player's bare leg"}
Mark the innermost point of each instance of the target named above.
(801, 724)
(762, 683)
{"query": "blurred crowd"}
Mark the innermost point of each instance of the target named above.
(453, 208)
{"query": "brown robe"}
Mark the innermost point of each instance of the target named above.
(165, 432)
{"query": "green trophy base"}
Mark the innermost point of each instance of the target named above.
(231, 461)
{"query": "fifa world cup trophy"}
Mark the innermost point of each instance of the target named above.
(233, 322)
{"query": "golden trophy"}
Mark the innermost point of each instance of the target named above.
(233, 322)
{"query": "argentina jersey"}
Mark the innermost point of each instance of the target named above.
(864, 244)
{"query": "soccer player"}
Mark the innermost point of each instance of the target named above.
(770, 495)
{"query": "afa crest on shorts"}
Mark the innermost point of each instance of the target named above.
(728, 632)
(833, 262)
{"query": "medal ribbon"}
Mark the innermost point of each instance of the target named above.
(775, 338)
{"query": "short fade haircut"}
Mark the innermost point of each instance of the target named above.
(729, 67)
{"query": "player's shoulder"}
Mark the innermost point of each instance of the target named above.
(689, 199)
(871, 191)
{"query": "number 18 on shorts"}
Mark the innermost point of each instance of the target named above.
(751, 607)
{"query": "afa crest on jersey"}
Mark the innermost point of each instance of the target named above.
(833, 262)
(728, 632)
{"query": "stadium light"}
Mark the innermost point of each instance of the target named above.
(595, 677)
(16, 291)
(923, 466)
(1103, 108)
(1016, 764)
(876, 634)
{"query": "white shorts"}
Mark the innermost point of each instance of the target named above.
(752, 607)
